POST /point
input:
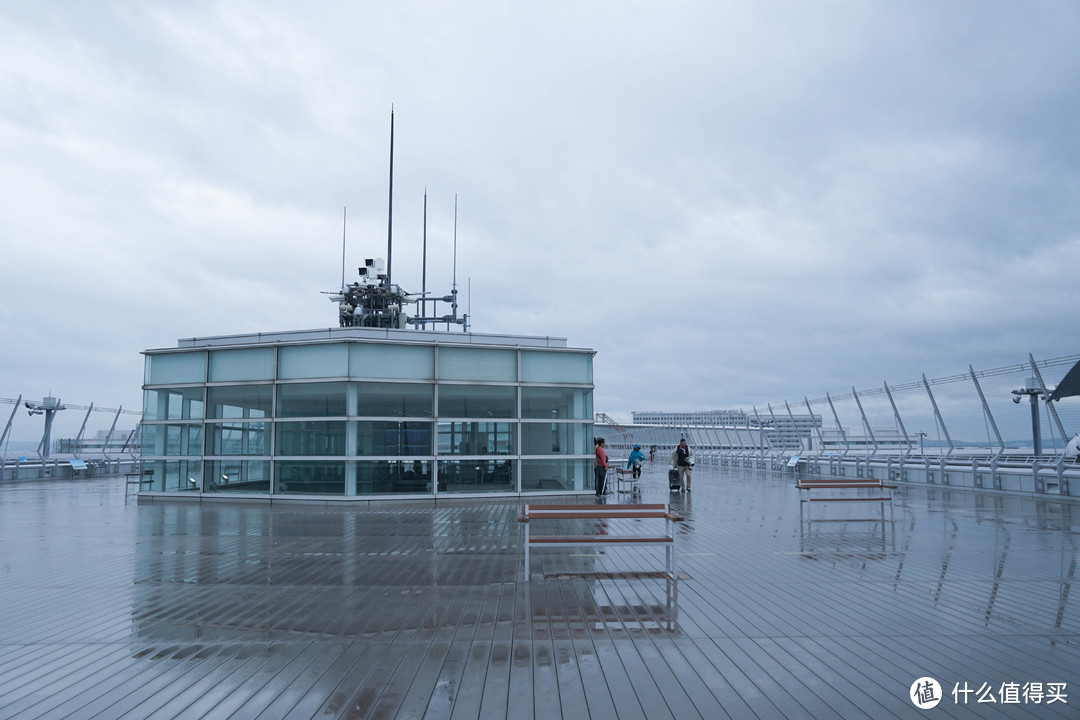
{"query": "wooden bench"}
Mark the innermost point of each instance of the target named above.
(625, 475)
(659, 511)
(806, 486)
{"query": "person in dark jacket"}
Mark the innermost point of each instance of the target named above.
(683, 460)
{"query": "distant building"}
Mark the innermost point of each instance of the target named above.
(782, 431)
(366, 413)
(689, 419)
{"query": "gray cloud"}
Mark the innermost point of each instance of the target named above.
(732, 204)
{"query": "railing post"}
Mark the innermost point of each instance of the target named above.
(762, 438)
(7, 429)
(866, 422)
(986, 408)
(821, 438)
(937, 414)
(843, 434)
(105, 445)
(78, 438)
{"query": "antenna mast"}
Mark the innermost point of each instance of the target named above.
(453, 284)
(344, 215)
(423, 275)
(390, 212)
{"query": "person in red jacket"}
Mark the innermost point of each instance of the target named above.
(600, 474)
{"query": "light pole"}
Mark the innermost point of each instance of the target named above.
(1033, 391)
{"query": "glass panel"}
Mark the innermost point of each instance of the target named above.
(477, 364)
(560, 367)
(247, 364)
(556, 475)
(240, 438)
(150, 440)
(181, 367)
(556, 403)
(395, 400)
(191, 442)
(172, 440)
(393, 438)
(377, 360)
(173, 404)
(312, 361)
(312, 399)
(477, 401)
(237, 476)
(311, 438)
(476, 438)
(393, 476)
(239, 401)
(171, 475)
(555, 439)
(293, 477)
(459, 476)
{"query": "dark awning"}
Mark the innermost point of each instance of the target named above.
(1069, 385)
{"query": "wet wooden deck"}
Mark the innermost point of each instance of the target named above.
(114, 610)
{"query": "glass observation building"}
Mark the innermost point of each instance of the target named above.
(360, 413)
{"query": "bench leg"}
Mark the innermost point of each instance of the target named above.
(674, 557)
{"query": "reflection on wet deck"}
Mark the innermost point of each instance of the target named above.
(224, 610)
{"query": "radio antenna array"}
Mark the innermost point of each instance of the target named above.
(375, 301)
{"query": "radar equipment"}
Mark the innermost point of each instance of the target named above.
(374, 302)
(48, 406)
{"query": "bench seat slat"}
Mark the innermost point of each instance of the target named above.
(612, 507)
(818, 486)
(596, 539)
(847, 499)
(593, 514)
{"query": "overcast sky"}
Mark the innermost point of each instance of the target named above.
(731, 202)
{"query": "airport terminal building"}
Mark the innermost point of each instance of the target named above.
(359, 413)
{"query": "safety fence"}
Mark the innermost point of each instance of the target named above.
(992, 429)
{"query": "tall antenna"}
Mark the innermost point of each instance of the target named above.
(453, 284)
(423, 275)
(344, 215)
(390, 212)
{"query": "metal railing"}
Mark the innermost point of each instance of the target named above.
(991, 429)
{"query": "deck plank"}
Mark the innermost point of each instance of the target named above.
(417, 610)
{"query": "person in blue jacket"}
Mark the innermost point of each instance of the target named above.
(635, 460)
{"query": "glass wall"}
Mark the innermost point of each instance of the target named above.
(236, 438)
(381, 477)
(477, 401)
(394, 400)
(556, 475)
(317, 477)
(477, 476)
(237, 476)
(240, 401)
(183, 403)
(367, 419)
(311, 437)
(391, 437)
(312, 399)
